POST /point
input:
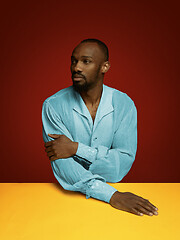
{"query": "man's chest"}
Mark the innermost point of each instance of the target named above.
(93, 133)
(92, 111)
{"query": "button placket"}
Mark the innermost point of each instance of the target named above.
(94, 139)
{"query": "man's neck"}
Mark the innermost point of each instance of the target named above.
(92, 96)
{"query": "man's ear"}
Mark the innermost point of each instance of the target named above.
(105, 67)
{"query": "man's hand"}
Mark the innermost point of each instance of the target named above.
(61, 147)
(132, 203)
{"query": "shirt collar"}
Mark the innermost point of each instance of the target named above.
(105, 106)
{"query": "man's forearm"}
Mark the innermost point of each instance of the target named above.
(112, 164)
(74, 177)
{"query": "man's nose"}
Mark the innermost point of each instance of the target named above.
(78, 67)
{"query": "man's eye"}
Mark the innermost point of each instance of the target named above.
(73, 61)
(86, 61)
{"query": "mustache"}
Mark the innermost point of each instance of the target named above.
(75, 74)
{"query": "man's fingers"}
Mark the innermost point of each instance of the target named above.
(135, 211)
(47, 144)
(128, 209)
(148, 205)
(54, 135)
(144, 210)
(50, 154)
(48, 149)
(53, 158)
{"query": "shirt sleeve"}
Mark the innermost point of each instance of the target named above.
(70, 174)
(114, 163)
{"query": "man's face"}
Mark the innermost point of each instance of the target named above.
(86, 63)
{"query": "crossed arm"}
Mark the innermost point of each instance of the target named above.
(62, 148)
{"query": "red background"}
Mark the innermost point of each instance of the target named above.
(37, 38)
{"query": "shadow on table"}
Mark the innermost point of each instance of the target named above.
(66, 192)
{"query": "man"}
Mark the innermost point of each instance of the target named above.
(90, 132)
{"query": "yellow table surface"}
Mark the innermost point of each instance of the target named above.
(46, 211)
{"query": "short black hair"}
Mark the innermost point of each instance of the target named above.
(101, 44)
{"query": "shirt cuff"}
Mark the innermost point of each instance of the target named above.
(86, 152)
(100, 190)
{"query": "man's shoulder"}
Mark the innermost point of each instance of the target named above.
(60, 96)
(60, 101)
(120, 98)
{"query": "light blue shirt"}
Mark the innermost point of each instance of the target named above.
(106, 148)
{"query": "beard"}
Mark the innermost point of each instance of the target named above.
(85, 85)
(81, 87)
